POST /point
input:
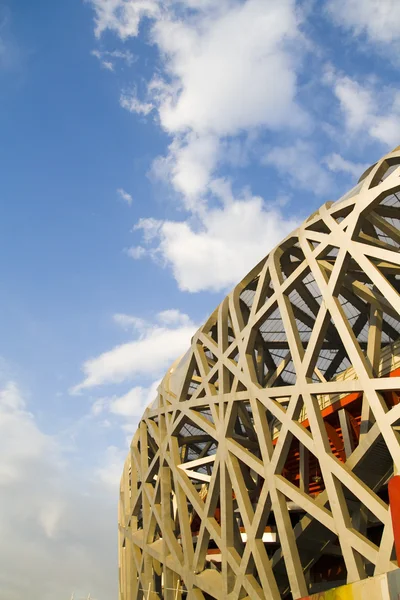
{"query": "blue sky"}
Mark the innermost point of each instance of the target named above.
(152, 152)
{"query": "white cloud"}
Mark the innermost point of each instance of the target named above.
(106, 64)
(130, 322)
(356, 102)
(336, 163)
(150, 229)
(173, 317)
(110, 473)
(228, 74)
(99, 406)
(130, 102)
(136, 252)
(387, 129)
(134, 402)
(63, 522)
(11, 398)
(188, 166)
(21, 442)
(224, 243)
(228, 69)
(157, 346)
(129, 406)
(126, 197)
(369, 109)
(125, 55)
(233, 72)
(50, 516)
(379, 20)
(304, 168)
(105, 56)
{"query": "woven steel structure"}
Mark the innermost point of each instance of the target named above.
(261, 469)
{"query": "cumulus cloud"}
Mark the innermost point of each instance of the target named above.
(228, 72)
(379, 20)
(156, 346)
(227, 75)
(21, 441)
(231, 73)
(216, 250)
(188, 166)
(51, 514)
(229, 68)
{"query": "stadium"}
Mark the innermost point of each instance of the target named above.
(262, 468)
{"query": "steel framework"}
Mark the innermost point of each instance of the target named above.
(261, 469)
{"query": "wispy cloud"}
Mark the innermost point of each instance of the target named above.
(301, 166)
(107, 58)
(378, 21)
(368, 108)
(122, 17)
(136, 252)
(130, 102)
(337, 164)
(125, 196)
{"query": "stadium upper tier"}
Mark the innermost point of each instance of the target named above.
(261, 468)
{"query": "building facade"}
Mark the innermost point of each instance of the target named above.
(261, 469)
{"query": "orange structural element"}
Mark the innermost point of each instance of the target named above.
(394, 501)
(352, 403)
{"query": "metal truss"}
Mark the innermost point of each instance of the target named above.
(261, 469)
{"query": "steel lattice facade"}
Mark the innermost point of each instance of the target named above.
(261, 469)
